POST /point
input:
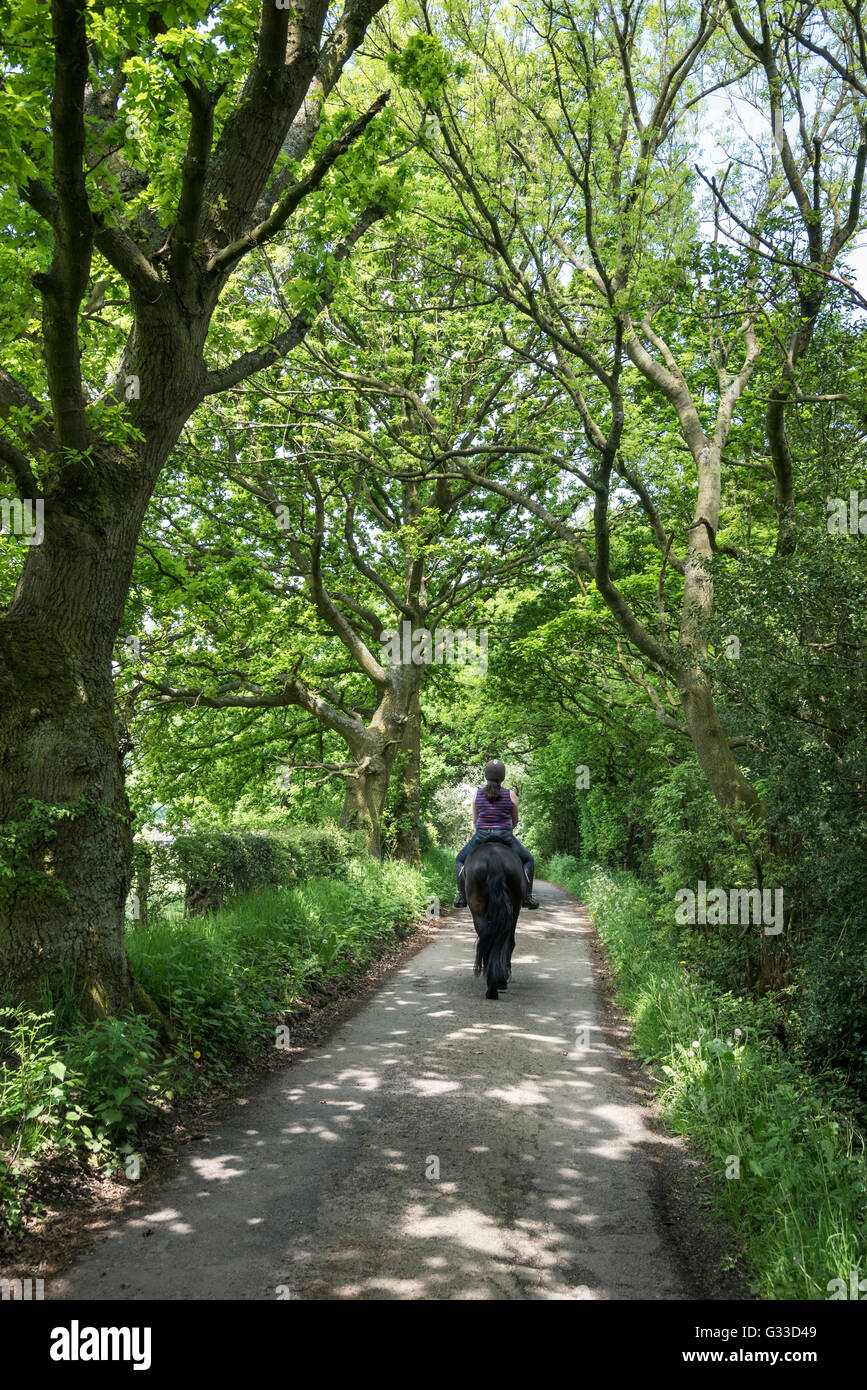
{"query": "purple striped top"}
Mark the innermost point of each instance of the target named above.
(494, 815)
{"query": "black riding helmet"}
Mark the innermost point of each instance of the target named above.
(495, 771)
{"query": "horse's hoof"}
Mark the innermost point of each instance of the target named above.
(492, 994)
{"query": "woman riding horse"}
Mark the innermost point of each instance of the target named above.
(495, 813)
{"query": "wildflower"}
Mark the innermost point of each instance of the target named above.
(197, 1055)
(738, 1033)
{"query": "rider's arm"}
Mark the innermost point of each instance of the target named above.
(514, 808)
(475, 813)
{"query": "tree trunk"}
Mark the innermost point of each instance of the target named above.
(408, 846)
(365, 800)
(63, 806)
(374, 747)
(65, 826)
(717, 761)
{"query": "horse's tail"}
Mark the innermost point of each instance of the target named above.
(499, 918)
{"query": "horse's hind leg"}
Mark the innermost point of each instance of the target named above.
(479, 965)
(482, 944)
(511, 949)
(483, 954)
(504, 982)
(496, 981)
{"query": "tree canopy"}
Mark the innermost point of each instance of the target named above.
(326, 324)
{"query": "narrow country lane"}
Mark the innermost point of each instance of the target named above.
(318, 1188)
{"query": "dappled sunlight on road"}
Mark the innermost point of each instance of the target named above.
(475, 1149)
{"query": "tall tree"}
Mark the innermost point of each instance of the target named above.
(154, 155)
(375, 574)
(570, 147)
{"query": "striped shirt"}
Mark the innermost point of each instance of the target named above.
(494, 815)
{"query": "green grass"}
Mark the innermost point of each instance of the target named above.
(799, 1204)
(222, 979)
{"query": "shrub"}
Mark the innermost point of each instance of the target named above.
(690, 838)
(210, 864)
(60, 1092)
(114, 1060)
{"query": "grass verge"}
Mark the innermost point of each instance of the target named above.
(786, 1163)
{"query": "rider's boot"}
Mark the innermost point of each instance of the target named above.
(529, 900)
(460, 900)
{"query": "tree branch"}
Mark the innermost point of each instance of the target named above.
(65, 284)
(293, 693)
(250, 362)
(224, 260)
(201, 103)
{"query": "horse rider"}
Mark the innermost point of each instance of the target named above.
(495, 814)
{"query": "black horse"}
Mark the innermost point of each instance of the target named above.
(494, 882)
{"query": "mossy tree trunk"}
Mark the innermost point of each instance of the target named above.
(63, 804)
(375, 747)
